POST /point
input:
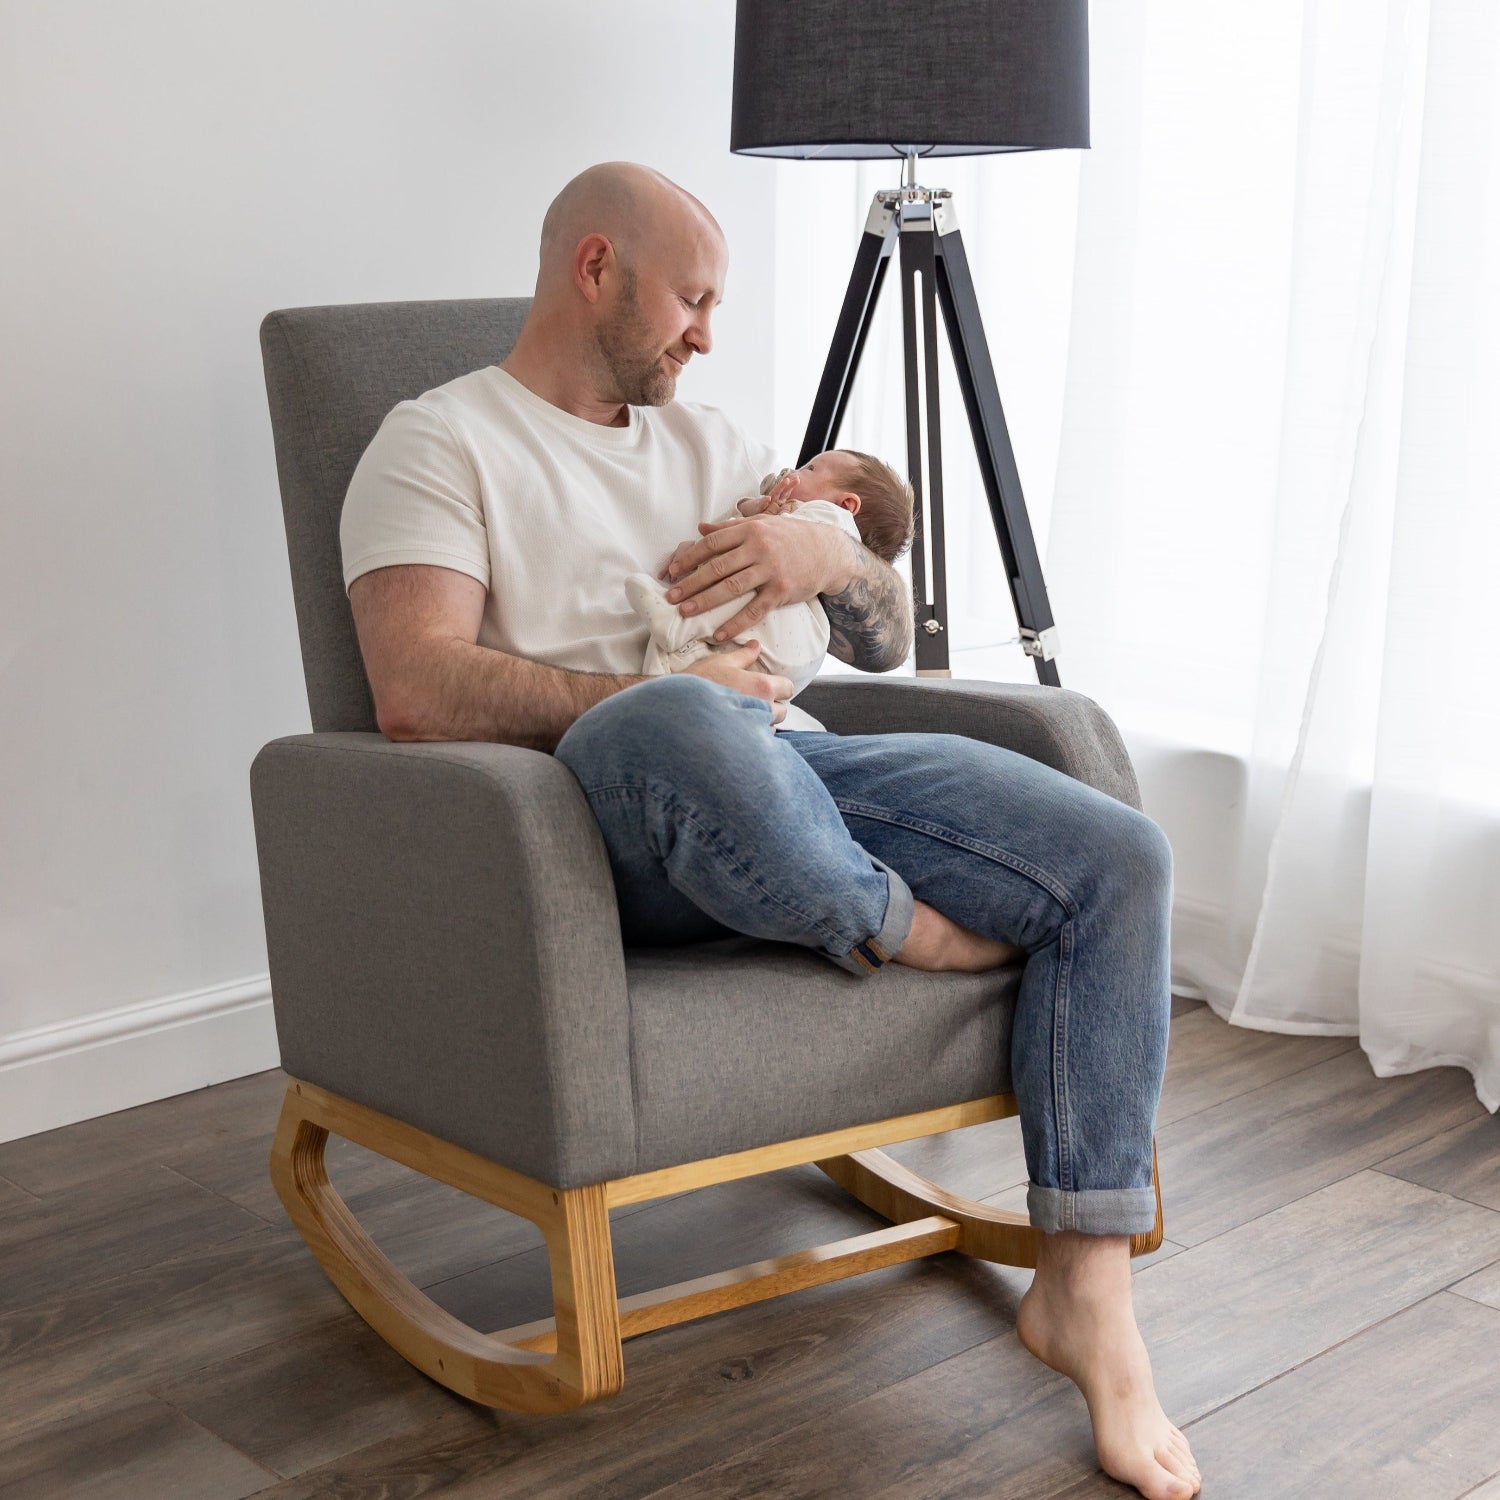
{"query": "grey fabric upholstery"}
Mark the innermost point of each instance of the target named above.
(440, 919)
(740, 1043)
(332, 373)
(444, 945)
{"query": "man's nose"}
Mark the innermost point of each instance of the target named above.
(698, 338)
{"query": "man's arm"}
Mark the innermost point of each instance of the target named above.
(870, 619)
(418, 632)
(418, 629)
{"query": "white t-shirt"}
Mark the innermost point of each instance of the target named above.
(549, 511)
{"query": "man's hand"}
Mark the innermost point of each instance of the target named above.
(751, 505)
(733, 670)
(786, 560)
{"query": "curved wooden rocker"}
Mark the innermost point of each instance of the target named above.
(576, 1356)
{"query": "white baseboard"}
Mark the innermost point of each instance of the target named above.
(134, 1054)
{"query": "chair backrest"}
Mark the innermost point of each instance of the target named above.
(332, 373)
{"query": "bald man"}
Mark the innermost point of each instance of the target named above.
(486, 536)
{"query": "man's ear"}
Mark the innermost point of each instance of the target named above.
(593, 256)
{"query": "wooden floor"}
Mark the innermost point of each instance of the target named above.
(1324, 1318)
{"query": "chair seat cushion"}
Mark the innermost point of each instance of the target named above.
(742, 1043)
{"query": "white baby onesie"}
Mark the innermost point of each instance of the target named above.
(793, 639)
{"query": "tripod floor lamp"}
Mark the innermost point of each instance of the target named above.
(842, 79)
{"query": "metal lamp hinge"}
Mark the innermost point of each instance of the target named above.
(1043, 643)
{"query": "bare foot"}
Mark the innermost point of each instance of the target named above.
(939, 945)
(1077, 1318)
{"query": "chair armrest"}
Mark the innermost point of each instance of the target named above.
(1060, 728)
(444, 945)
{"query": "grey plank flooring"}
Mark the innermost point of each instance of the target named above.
(134, 1448)
(1460, 1161)
(1482, 1286)
(138, 1218)
(1405, 1411)
(1322, 1316)
(282, 1404)
(1229, 1164)
(10, 1192)
(60, 1160)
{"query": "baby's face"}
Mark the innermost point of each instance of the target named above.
(824, 477)
(828, 476)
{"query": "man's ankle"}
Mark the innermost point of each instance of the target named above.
(1084, 1261)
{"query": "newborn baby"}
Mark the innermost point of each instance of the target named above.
(853, 491)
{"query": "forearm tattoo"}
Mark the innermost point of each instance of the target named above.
(869, 623)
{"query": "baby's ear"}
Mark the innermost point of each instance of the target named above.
(850, 501)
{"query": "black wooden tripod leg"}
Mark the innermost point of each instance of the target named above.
(997, 460)
(849, 335)
(924, 452)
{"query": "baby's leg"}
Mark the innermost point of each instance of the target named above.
(793, 641)
(670, 628)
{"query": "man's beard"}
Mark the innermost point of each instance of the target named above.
(638, 377)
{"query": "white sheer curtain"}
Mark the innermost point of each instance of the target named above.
(1264, 483)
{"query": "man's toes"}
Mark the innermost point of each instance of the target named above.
(1172, 1487)
(1181, 1447)
(1155, 1477)
(1179, 1480)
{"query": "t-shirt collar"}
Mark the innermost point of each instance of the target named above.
(565, 420)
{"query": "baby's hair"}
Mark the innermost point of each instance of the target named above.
(886, 505)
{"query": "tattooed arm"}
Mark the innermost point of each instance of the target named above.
(870, 618)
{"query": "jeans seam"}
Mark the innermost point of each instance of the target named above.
(669, 800)
(1061, 1099)
(963, 841)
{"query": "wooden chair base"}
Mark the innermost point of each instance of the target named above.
(575, 1356)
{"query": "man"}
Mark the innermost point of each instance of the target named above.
(485, 535)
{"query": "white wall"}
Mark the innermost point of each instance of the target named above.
(170, 173)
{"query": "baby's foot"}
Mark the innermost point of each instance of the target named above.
(648, 598)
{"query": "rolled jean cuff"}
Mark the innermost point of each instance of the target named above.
(864, 958)
(1093, 1211)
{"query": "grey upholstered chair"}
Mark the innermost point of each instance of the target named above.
(451, 990)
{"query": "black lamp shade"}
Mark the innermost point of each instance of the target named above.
(867, 78)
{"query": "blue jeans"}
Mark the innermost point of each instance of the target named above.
(715, 824)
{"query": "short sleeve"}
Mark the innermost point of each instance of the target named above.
(414, 498)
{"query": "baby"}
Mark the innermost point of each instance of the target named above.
(859, 494)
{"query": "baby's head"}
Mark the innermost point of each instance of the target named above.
(878, 498)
